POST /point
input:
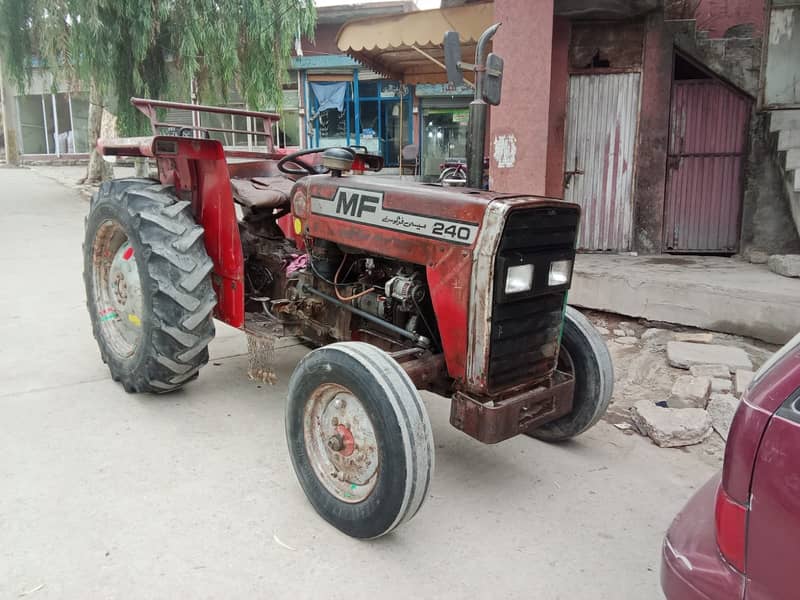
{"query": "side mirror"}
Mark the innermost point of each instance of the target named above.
(493, 83)
(452, 56)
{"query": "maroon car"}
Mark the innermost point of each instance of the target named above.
(739, 536)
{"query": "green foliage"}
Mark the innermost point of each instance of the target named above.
(128, 47)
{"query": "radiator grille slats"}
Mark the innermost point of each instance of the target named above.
(525, 332)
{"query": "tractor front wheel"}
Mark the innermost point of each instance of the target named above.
(148, 285)
(584, 354)
(359, 438)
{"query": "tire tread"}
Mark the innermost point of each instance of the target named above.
(179, 272)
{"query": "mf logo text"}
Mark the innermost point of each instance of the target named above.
(355, 204)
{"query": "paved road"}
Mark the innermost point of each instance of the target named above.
(192, 495)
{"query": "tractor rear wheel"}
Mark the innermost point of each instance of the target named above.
(359, 437)
(583, 353)
(148, 285)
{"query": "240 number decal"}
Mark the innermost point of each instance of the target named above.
(456, 232)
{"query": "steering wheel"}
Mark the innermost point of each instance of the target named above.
(307, 169)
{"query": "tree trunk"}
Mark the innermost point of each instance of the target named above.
(98, 169)
(7, 110)
(141, 168)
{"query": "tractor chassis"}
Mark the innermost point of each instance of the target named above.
(488, 420)
(492, 421)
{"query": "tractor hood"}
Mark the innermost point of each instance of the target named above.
(409, 207)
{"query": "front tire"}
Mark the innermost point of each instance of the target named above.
(359, 438)
(148, 285)
(584, 351)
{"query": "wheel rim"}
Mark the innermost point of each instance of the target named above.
(565, 364)
(341, 443)
(117, 289)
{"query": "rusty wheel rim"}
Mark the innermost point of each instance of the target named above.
(117, 289)
(341, 443)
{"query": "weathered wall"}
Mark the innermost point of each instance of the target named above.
(767, 222)
(721, 18)
(324, 39)
(651, 157)
(725, 35)
(612, 44)
(730, 18)
(520, 126)
(559, 85)
(736, 60)
(605, 9)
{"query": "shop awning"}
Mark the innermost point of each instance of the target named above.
(408, 47)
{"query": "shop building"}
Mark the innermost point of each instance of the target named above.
(345, 101)
(672, 123)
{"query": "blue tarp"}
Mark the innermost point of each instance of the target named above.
(330, 95)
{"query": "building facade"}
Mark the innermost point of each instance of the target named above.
(47, 120)
(674, 123)
(340, 101)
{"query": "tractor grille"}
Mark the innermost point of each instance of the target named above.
(525, 328)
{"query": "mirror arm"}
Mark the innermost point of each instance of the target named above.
(480, 58)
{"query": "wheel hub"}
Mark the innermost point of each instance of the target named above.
(118, 295)
(341, 443)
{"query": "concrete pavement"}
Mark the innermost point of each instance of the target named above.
(708, 292)
(192, 495)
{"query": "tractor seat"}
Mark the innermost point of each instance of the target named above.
(262, 192)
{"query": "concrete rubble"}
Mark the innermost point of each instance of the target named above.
(710, 371)
(787, 265)
(721, 409)
(721, 385)
(678, 387)
(698, 338)
(743, 379)
(689, 392)
(656, 337)
(685, 354)
(671, 427)
(756, 257)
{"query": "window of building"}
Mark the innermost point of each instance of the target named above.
(54, 123)
(381, 124)
(444, 136)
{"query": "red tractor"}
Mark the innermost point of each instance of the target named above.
(399, 286)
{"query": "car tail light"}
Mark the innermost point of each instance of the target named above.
(730, 518)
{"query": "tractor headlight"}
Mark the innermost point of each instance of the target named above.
(519, 278)
(560, 272)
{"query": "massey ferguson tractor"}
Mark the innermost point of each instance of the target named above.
(398, 286)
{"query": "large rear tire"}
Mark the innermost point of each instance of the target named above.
(359, 437)
(584, 351)
(148, 285)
